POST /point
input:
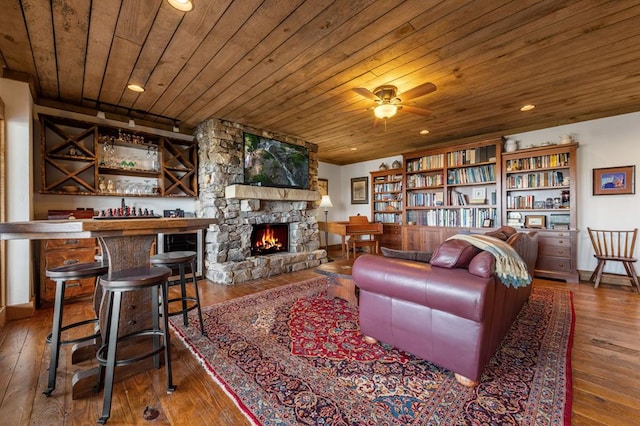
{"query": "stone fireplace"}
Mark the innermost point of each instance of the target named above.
(230, 258)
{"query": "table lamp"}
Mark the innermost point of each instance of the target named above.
(325, 203)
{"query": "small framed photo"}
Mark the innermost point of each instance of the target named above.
(614, 180)
(539, 204)
(478, 196)
(323, 187)
(535, 221)
(360, 190)
(487, 223)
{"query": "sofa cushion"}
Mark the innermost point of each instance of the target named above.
(503, 233)
(483, 265)
(454, 254)
(417, 256)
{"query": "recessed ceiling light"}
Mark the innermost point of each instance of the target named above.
(527, 107)
(135, 88)
(182, 5)
(354, 149)
(424, 132)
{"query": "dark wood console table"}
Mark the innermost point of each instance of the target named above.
(126, 243)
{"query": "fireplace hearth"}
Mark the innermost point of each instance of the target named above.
(269, 238)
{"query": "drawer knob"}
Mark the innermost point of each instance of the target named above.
(71, 285)
(71, 241)
(561, 252)
(561, 265)
(561, 241)
(70, 261)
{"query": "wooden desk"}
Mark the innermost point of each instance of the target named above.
(126, 244)
(344, 228)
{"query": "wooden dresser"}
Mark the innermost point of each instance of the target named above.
(60, 252)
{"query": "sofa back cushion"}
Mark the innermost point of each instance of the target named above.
(454, 254)
(416, 256)
(483, 265)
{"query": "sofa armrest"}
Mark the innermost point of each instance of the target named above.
(455, 291)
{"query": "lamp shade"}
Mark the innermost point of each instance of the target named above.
(325, 202)
(385, 110)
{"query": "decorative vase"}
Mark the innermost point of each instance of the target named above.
(510, 145)
(396, 165)
(564, 139)
(383, 167)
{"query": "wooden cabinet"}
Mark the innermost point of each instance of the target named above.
(60, 252)
(557, 253)
(386, 196)
(540, 192)
(391, 236)
(80, 158)
(457, 186)
(426, 238)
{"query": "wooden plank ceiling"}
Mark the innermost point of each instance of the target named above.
(289, 66)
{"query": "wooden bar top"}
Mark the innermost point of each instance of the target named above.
(87, 228)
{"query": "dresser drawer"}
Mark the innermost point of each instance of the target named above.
(560, 250)
(553, 263)
(57, 258)
(555, 241)
(74, 288)
(69, 243)
(57, 253)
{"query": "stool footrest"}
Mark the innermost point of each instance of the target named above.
(74, 325)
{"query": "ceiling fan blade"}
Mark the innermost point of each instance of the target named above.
(416, 92)
(417, 110)
(366, 93)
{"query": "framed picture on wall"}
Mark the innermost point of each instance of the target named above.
(614, 180)
(360, 190)
(323, 187)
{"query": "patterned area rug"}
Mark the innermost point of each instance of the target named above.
(291, 356)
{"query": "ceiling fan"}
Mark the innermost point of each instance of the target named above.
(389, 103)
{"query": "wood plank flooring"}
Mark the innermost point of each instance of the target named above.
(605, 361)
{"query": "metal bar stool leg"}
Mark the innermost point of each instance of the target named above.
(183, 292)
(197, 296)
(167, 353)
(114, 321)
(55, 336)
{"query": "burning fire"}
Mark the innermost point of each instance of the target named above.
(268, 241)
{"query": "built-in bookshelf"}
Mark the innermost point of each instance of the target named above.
(540, 192)
(387, 194)
(453, 187)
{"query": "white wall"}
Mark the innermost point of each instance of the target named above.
(19, 130)
(607, 142)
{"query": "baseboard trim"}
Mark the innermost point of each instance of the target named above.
(24, 310)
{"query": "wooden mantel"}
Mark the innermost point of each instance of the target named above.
(248, 192)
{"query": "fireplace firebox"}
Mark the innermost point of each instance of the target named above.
(268, 238)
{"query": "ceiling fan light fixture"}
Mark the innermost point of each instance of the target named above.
(135, 88)
(182, 5)
(527, 107)
(385, 111)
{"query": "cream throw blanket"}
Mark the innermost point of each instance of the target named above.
(510, 268)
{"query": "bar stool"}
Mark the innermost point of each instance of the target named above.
(61, 275)
(115, 285)
(180, 259)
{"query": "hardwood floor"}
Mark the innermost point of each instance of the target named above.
(605, 361)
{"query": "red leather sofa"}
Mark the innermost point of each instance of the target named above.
(454, 315)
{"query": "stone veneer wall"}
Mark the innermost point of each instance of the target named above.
(228, 257)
